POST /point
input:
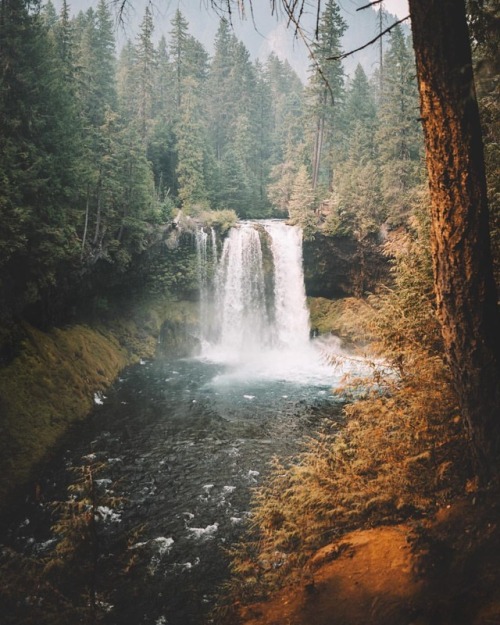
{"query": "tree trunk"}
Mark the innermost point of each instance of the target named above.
(463, 273)
(318, 146)
(87, 210)
(99, 211)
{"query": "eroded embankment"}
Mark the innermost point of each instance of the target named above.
(440, 570)
(54, 378)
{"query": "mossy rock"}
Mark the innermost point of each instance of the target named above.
(48, 386)
(51, 382)
(337, 317)
(326, 315)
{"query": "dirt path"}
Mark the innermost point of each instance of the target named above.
(370, 581)
(444, 571)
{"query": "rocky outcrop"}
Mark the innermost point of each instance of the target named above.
(336, 267)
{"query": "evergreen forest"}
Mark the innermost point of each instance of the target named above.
(123, 169)
(100, 151)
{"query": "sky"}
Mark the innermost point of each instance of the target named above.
(397, 7)
(263, 35)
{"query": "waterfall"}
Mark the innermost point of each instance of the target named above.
(253, 311)
(291, 315)
(206, 253)
(240, 298)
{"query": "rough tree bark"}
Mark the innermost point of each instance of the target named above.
(463, 270)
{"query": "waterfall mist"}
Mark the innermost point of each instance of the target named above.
(253, 310)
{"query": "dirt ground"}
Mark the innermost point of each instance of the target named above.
(444, 570)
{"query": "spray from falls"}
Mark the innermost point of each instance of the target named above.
(253, 311)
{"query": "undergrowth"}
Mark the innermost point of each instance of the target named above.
(63, 580)
(398, 455)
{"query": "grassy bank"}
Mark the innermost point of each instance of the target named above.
(331, 316)
(52, 382)
(350, 531)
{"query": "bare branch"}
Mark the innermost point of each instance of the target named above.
(292, 19)
(384, 32)
(370, 4)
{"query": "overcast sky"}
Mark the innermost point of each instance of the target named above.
(267, 34)
(397, 7)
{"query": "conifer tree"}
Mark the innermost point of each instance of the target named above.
(326, 93)
(360, 107)
(220, 89)
(64, 35)
(37, 158)
(286, 106)
(178, 41)
(145, 68)
(302, 204)
(105, 66)
(192, 147)
(127, 82)
(399, 137)
(161, 143)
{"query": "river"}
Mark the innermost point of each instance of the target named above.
(181, 443)
(182, 446)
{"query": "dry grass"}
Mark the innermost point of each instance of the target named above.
(397, 456)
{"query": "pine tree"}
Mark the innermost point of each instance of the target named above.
(357, 204)
(357, 207)
(161, 148)
(360, 108)
(65, 34)
(145, 68)
(127, 83)
(105, 59)
(220, 89)
(288, 150)
(38, 158)
(302, 204)
(264, 139)
(326, 93)
(192, 143)
(178, 41)
(399, 135)
(286, 107)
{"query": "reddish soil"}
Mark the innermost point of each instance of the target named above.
(440, 571)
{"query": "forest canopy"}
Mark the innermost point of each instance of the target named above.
(100, 150)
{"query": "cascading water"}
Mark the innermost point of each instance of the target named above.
(206, 252)
(291, 316)
(241, 320)
(254, 315)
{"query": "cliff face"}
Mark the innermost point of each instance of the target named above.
(336, 267)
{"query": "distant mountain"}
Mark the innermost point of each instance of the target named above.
(262, 33)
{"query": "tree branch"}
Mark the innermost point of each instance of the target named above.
(384, 32)
(370, 4)
(289, 7)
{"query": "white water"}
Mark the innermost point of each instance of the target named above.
(254, 317)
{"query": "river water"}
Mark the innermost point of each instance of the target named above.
(181, 443)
